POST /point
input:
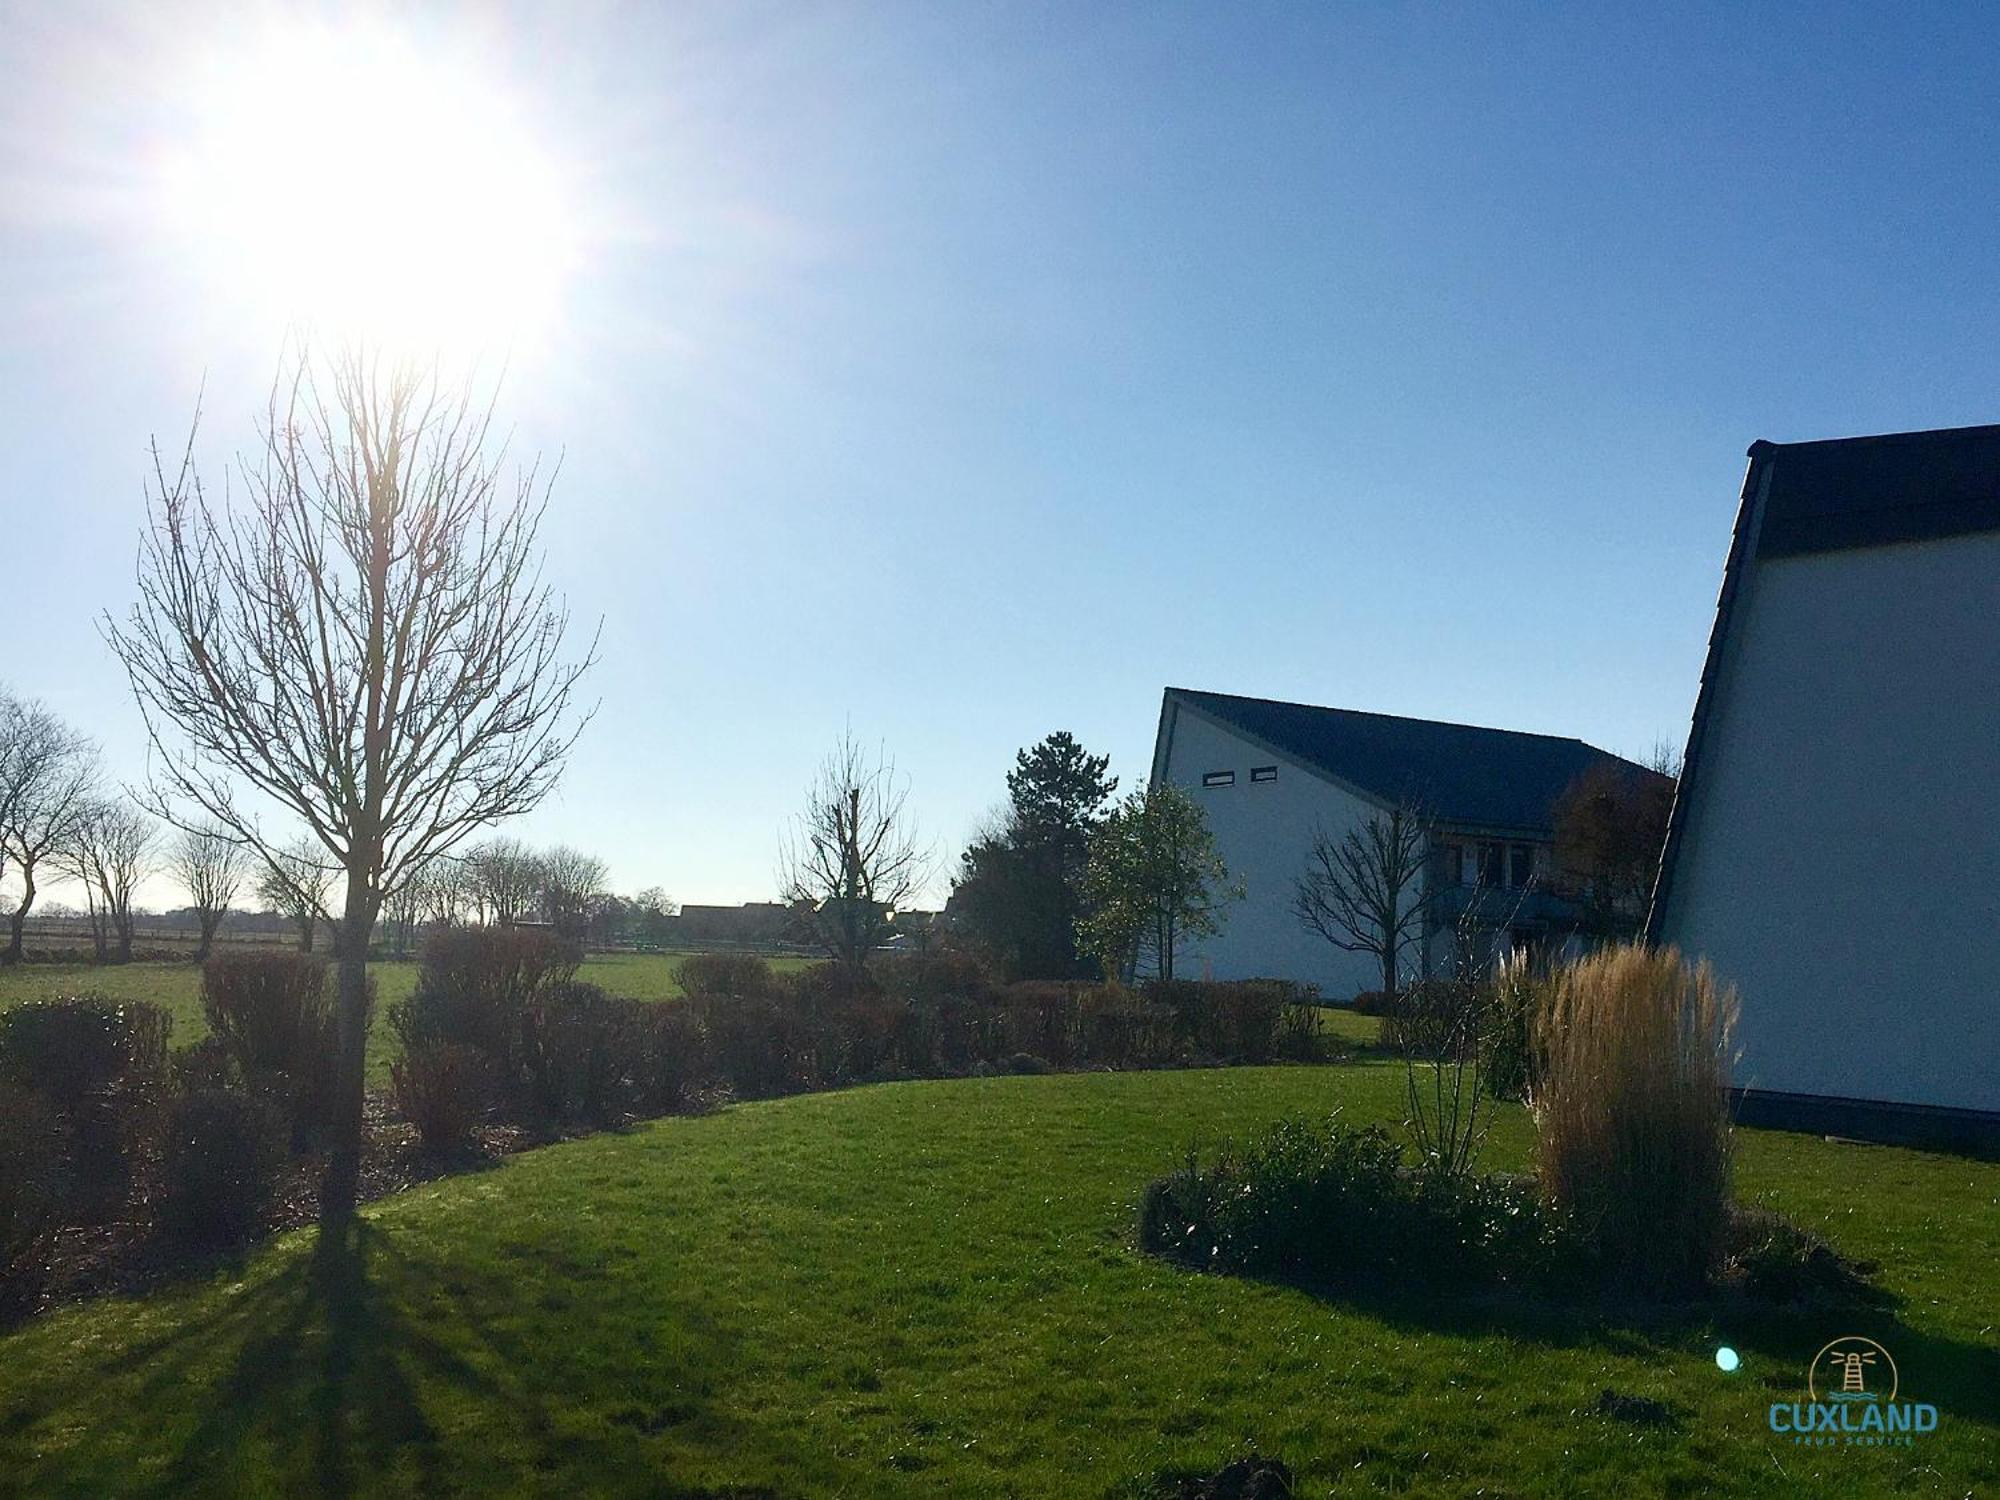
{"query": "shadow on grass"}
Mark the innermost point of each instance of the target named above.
(1961, 1378)
(330, 1384)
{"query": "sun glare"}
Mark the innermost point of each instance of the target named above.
(345, 181)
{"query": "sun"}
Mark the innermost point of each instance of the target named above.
(344, 180)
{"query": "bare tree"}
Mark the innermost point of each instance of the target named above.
(210, 867)
(1610, 829)
(48, 784)
(297, 882)
(403, 909)
(504, 877)
(109, 853)
(444, 893)
(1365, 891)
(852, 857)
(573, 886)
(364, 640)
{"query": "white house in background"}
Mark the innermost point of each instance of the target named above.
(1835, 845)
(1270, 775)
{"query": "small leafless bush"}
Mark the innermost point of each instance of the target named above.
(445, 1090)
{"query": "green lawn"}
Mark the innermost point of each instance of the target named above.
(929, 1290)
(1350, 1026)
(642, 976)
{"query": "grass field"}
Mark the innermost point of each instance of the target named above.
(642, 976)
(929, 1290)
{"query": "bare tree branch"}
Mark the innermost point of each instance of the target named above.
(1366, 892)
(363, 641)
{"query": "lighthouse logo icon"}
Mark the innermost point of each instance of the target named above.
(1852, 1369)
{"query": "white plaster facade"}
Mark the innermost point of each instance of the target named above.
(1838, 858)
(1263, 831)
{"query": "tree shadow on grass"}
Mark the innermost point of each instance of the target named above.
(330, 1383)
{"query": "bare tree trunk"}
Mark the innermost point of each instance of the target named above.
(209, 922)
(340, 1188)
(17, 921)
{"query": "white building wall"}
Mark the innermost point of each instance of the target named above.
(1263, 831)
(1840, 863)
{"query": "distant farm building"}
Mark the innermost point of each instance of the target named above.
(755, 924)
(1835, 846)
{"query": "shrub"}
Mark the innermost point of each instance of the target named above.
(1314, 1200)
(206, 1064)
(1632, 1114)
(1307, 1198)
(1517, 999)
(31, 1190)
(445, 1090)
(1242, 1018)
(669, 1058)
(275, 1014)
(1119, 1028)
(760, 1047)
(1042, 1017)
(930, 978)
(579, 1051)
(1439, 1027)
(270, 1008)
(100, 1070)
(1300, 1038)
(1374, 1003)
(743, 975)
(1774, 1260)
(223, 1152)
(476, 987)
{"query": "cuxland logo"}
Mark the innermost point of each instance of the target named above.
(1851, 1389)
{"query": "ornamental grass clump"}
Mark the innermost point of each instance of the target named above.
(1631, 1108)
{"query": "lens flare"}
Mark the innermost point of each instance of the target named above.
(344, 179)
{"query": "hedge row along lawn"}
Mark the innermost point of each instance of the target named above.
(177, 987)
(930, 1289)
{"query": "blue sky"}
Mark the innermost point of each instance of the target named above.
(964, 373)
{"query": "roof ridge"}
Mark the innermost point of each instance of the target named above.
(1369, 713)
(1926, 434)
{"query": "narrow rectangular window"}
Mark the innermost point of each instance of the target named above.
(1218, 778)
(1450, 865)
(1263, 773)
(1493, 865)
(1524, 866)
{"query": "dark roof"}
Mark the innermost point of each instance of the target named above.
(1869, 491)
(1497, 778)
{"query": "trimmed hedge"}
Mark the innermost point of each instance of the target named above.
(277, 1018)
(99, 1069)
(223, 1152)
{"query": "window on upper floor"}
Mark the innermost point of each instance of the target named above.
(1493, 865)
(1218, 778)
(1263, 773)
(1523, 863)
(1448, 867)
